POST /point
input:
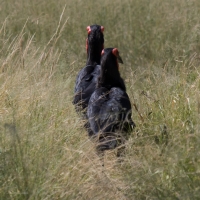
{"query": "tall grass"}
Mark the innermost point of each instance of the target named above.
(44, 150)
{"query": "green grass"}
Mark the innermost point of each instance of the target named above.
(44, 150)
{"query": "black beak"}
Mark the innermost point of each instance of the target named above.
(119, 59)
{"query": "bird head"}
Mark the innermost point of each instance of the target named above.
(95, 39)
(110, 58)
(110, 75)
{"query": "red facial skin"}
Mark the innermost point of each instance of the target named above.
(116, 53)
(88, 29)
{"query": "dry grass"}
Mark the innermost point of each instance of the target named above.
(44, 150)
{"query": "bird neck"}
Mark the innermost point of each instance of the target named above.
(93, 56)
(107, 80)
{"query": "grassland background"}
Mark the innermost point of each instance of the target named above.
(44, 150)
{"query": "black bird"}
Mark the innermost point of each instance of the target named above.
(109, 109)
(87, 77)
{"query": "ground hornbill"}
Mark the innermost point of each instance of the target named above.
(109, 109)
(87, 77)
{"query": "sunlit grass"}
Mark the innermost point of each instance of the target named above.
(44, 150)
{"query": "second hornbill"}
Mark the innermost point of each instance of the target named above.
(109, 109)
(87, 77)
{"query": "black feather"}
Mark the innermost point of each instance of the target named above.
(109, 109)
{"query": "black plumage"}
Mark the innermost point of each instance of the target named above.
(109, 109)
(87, 77)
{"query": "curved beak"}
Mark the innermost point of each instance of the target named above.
(119, 59)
